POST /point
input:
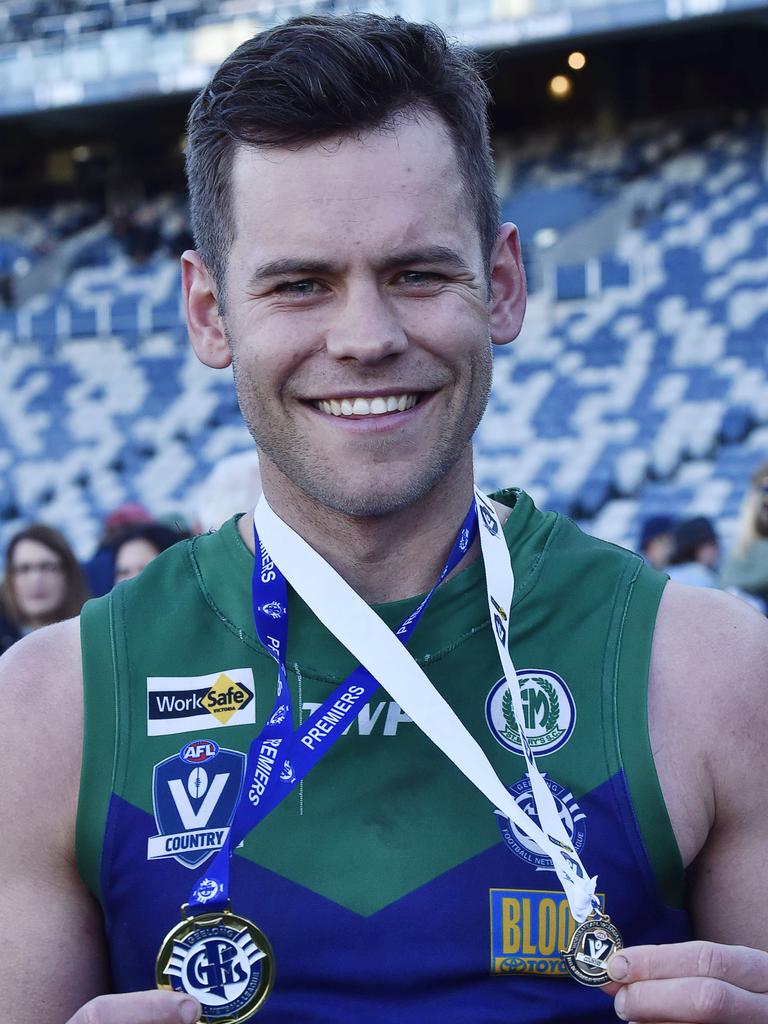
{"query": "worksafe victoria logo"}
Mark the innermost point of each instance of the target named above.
(548, 709)
(181, 703)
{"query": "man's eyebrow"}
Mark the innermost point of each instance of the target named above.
(296, 266)
(429, 254)
(291, 266)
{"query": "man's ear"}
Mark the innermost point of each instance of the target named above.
(508, 288)
(204, 322)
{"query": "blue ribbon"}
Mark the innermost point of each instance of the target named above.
(279, 757)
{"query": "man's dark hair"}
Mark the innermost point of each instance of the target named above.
(319, 76)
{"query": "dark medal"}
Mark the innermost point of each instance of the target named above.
(221, 959)
(591, 947)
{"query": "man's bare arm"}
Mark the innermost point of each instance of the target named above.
(709, 731)
(55, 959)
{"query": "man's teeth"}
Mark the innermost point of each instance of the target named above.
(366, 406)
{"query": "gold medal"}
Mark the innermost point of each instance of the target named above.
(591, 947)
(221, 959)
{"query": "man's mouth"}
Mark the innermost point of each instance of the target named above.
(359, 406)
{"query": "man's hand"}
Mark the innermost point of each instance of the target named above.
(690, 983)
(139, 1008)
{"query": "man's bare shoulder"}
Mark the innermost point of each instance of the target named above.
(48, 658)
(701, 633)
(707, 709)
(41, 714)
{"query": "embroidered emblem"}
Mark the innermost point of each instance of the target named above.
(548, 707)
(194, 795)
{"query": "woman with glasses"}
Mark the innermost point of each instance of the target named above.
(43, 583)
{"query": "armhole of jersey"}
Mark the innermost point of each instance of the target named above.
(99, 738)
(634, 737)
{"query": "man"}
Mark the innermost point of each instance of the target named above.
(350, 266)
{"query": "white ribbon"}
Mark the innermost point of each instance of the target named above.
(365, 635)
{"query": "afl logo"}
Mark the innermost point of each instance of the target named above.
(548, 708)
(571, 815)
(198, 751)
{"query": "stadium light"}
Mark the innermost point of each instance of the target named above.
(560, 87)
(576, 60)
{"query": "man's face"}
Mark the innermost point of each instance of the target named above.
(357, 313)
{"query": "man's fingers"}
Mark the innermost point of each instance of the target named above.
(151, 1007)
(685, 1000)
(737, 965)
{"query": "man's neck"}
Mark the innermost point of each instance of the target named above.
(385, 558)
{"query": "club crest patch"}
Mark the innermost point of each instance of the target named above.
(571, 815)
(548, 707)
(194, 795)
(183, 703)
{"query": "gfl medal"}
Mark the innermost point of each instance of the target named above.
(221, 959)
(591, 947)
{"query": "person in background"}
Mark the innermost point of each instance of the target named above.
(43, 583)
(139, 545)
(745, 568)
(655, 543)
(100, 569)
(695, 553)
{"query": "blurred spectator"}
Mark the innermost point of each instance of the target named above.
(695, 553)
(43, 582)
(100, 570)
(746, 567)
(139, 545)
(655, 543)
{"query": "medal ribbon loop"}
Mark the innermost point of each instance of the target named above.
(356, 625)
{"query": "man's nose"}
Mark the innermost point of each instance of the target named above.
(366, 327)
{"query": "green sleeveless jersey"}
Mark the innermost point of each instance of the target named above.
(386, 883)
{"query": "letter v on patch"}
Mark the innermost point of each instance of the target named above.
(177, 704)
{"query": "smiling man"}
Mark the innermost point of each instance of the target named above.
(341, 709)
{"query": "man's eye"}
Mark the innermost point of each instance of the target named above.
(303, 287)
(419, 277)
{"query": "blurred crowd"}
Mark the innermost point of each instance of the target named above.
(689, 550)
(43, 582)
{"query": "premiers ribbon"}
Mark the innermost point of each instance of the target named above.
(222, 959)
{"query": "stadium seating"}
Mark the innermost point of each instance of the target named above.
(637, 386)
(46, 20)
